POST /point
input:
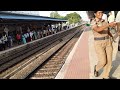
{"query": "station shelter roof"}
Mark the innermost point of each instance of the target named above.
(17, 17)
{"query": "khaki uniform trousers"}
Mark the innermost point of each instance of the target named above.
(104, 51)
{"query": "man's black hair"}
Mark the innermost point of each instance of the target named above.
(95, 11)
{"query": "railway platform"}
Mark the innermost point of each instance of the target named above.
(82, 59)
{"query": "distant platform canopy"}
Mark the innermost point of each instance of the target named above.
(17, 17)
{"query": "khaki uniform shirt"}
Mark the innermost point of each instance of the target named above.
(102, 22)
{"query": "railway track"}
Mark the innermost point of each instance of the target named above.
(50, 68)
(17, 54)
(27, 66)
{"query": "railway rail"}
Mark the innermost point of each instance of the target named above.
(50, 68)
(23, 67)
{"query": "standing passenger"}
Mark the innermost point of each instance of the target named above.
(5, 40)
(1, 44)
(18, 37)
(23, 39)
(34, 34)
(10, 41)
(111, 18)
(25, 35)
(31, 35)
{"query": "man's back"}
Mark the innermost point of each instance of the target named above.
(118, 17)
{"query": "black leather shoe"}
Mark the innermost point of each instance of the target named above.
(95, 72)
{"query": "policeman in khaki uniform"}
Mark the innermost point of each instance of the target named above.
(102, 44)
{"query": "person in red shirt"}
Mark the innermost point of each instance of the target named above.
(18, 37)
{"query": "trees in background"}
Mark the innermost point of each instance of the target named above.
(72, 17)
(55, 14)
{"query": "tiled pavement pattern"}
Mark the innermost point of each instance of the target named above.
(81, 60)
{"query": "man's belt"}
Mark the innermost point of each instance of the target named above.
(101, 38)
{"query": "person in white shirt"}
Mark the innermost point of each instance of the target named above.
(1, 44)
(111, 18)
(105, 17)
(31, 35)
(117, 19)
(4, 40)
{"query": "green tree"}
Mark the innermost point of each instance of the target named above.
(55, 14)
(73, 17)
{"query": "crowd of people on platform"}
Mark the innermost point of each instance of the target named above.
(26, 33)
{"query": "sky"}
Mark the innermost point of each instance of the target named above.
(63, 13)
